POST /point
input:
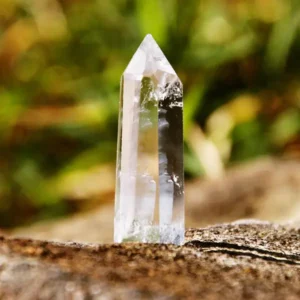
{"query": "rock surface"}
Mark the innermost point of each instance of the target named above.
(241, 260)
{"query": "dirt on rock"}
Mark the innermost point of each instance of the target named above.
(241, 260)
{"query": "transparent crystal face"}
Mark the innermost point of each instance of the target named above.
(149, 187)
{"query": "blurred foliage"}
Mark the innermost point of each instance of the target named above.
(60, 65)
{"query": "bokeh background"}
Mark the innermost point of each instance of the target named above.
(60, 66)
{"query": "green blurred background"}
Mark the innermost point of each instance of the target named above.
(60, 66)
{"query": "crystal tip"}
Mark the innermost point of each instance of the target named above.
(148, 59)
(149, 35)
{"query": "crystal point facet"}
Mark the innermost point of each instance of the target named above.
(149, 202)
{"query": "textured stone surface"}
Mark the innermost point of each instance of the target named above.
(149, 205)
(242, 260)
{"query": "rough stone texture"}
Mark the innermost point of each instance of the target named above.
(241, 260)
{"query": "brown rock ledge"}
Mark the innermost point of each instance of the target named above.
(241, 260)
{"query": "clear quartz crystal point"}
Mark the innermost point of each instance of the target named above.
(149, 200)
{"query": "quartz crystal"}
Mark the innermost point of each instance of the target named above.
(149, 200)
